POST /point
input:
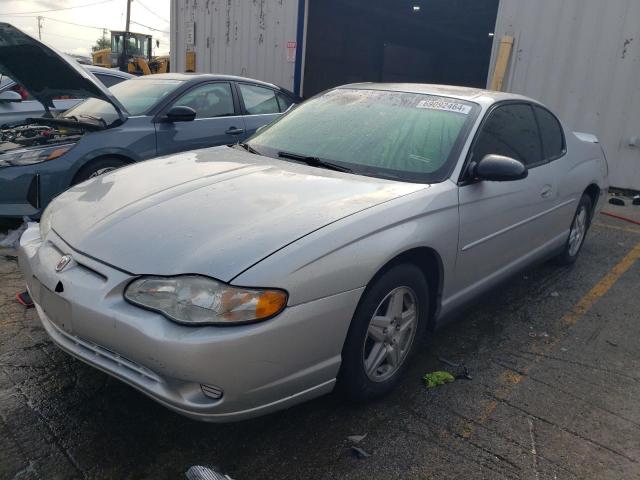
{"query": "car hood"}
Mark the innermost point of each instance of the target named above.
(213, 212)
(45, 72)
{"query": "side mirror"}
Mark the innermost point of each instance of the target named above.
(497, 168)
(10, 96)
(180, 113)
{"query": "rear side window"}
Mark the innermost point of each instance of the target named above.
(284, 101)
(258, 100)
(551, 133)
(510, 130)
(108, 80)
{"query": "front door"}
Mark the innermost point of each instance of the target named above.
(217, 122)
(502, 224)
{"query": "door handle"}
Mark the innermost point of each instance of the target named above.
(234, 131)
(546, 191)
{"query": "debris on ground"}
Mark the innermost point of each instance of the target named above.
(617, 201)
(359, 453)
(198, 472)
(613, 344)
(446, 361)
(356, 438)
(539, 335)
(554, 294)
(464, 374)
(12, 237)
(463, 371)
(435, 379)
(24, 299)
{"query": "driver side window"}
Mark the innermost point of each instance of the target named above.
(510, 130)
(209, 101)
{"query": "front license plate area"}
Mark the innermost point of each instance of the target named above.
(57, 308)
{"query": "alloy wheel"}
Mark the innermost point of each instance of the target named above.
(578, 231)
(390, 334)
(101, 171)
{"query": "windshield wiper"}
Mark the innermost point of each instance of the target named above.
(248, 148)
(314, 162)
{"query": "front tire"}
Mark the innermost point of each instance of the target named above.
(578, 232)
(391, 317)
(98, 167)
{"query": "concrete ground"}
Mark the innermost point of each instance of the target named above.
(553, 354)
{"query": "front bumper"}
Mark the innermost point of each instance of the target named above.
(27, 190)
(257, 368)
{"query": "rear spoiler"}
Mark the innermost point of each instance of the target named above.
(587, 137)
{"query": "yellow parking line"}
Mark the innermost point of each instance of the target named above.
(510, 380)
(602, 287)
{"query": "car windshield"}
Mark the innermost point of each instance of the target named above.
(136, 95)
(396, 135)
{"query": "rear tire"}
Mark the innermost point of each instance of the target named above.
(97, 167)
(578, 232)
(389, 321)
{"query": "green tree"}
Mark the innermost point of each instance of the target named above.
(101, 43)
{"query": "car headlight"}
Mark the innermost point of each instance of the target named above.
(45, 221)
(29, 156)
(199, 300)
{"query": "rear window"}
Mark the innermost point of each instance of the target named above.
(258, 100)
(551, 132)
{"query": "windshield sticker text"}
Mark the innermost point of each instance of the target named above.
(446, 106)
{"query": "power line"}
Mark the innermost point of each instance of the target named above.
(151, 11)
(55, 9)
(76, 24)
(72, 38)
(150, 28)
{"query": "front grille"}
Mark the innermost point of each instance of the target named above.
(92, 349)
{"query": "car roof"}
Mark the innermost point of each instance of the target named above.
(198, 77)
(108, 71)
(463, 93)
(6, 81)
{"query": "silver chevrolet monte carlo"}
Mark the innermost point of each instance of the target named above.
(230, 282)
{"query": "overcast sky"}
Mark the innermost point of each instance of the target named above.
(78, 39)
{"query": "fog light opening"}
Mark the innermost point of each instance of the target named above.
(211, 391)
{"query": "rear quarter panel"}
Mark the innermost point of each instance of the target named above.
(583, 165)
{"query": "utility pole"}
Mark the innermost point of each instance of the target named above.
(124, 61)
(39, 27)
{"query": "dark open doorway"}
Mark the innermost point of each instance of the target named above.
(427, 41)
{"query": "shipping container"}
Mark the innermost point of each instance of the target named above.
(580, 57)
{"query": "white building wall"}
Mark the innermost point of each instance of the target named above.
(582, 59)
(237, 37)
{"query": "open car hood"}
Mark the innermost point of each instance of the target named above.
(45, 72)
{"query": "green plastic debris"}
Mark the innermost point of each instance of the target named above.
(435, 379)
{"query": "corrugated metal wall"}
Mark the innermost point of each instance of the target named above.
(238, 37)
(582, 59)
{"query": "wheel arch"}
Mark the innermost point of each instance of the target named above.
(127, 161)
(429, 261)
(593, 192)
